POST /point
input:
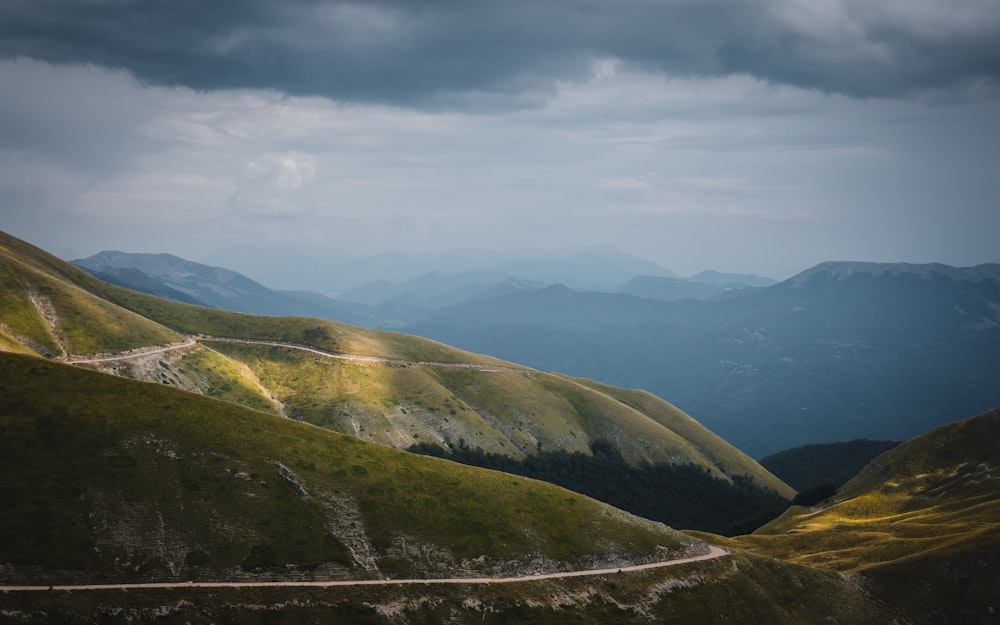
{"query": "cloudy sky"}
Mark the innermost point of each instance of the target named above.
(758, 136)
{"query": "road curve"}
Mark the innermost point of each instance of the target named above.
(192, 340)
(366, 359)
(136, 353)
(713, 552)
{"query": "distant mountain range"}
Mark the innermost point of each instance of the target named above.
(584, 268)
(170, 276)
(841, 351)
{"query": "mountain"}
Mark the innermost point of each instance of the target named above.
(378, 386)
(834, 463)
(244, 497)
(587, 268)
(166, 275)
(247, 500)
(392, 304)
(841, 351)
(241, 493)
(672, 289)
(132, 278)
(727, 279)
(920, 525)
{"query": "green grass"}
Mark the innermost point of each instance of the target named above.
(713, 448)
(513, 412)
(84, 322)
(933, 495)
(741, 589)
(78, 449)
(197, 369)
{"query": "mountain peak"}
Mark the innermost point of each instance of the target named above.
(843, 270)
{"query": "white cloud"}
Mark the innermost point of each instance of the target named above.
(268, 185)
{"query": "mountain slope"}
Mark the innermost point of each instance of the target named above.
(921, 521)
(673, 289)
(727, 279)
(243, 496)
(834, 463)
(48, 307)
(386, 387)
(239, 488)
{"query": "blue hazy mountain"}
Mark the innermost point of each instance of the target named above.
(841, 351)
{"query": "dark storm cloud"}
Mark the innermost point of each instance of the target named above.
(440, 52)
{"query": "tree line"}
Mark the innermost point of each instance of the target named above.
(683, 496)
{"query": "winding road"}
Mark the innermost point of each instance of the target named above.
(193, 340)
(713, 552)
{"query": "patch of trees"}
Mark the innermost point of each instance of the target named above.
(809, 465)
(682, 496)
(815, 494)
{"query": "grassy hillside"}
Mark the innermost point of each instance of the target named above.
(921, 522)
(740, 589)
(47, 307)
(932, 493)
(710, 445)
(498, 406)
(242, 493)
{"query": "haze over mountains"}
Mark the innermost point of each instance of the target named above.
(843, 350)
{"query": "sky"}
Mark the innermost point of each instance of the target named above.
(759, 136)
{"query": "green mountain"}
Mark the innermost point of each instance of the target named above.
(108, 480)
(240, 490)
(383, 387)
(920, 525)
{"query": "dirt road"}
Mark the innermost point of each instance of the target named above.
(713, 552)
(305, 348)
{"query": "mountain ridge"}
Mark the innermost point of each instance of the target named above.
(812, 359)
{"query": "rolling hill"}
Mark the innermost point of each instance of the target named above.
(378, 386)
(921, 522)
(109, 480)
(238, 489)
(243, 496)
